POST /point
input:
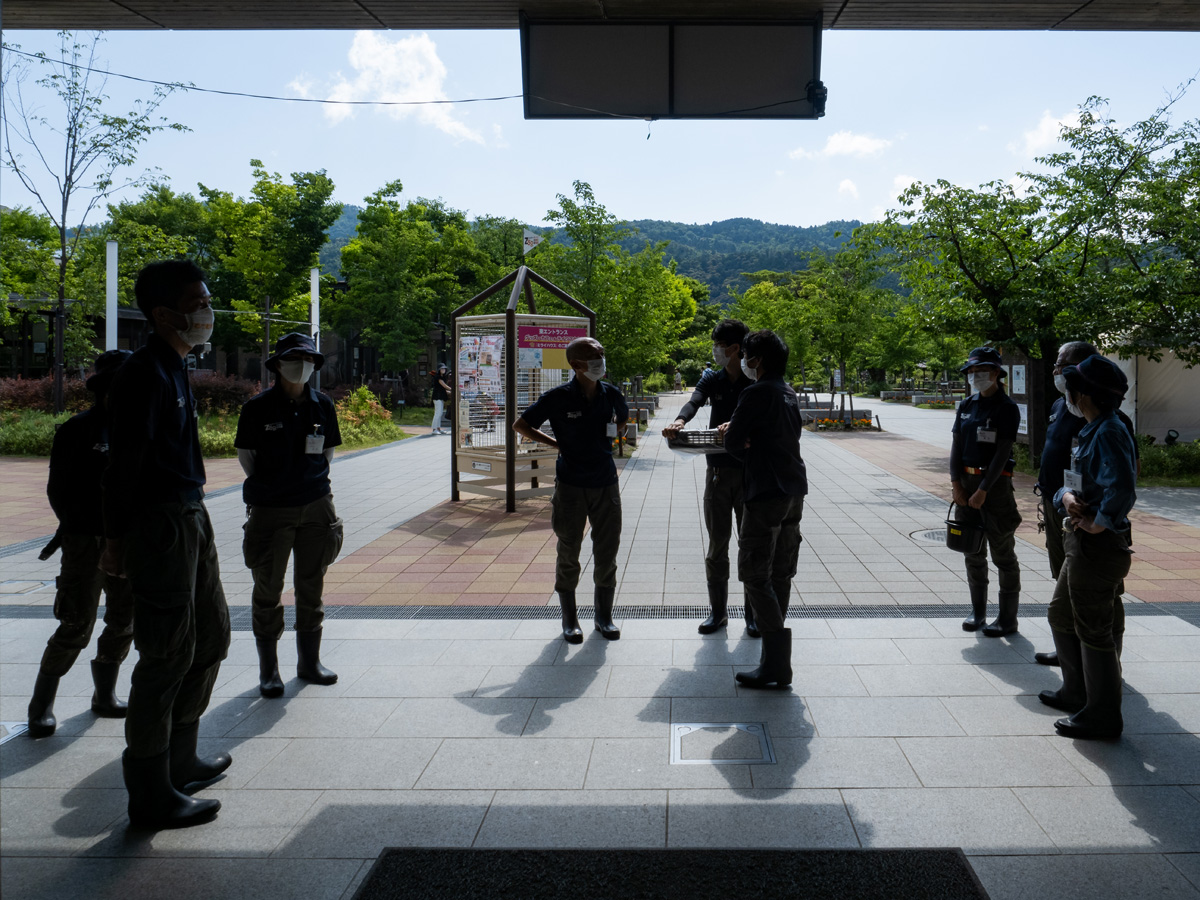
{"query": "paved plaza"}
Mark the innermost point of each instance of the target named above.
(461, 719)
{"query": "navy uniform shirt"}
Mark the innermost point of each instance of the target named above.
(768, 416)
(581, 429)
(154, 442)
(996, 413)
(77, 462)
(276, 428)
(1060, 434)
(721, 393)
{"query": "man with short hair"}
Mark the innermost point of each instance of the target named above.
(585, 415)
(764, 433)
(160, 537)
(720, 387)
(285, 440)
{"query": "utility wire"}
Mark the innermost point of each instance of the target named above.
(191, 87)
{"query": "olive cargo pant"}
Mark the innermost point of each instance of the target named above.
(180, 623)
(1001, 523)
(570, 509)
(76, 601)
(312, 535)
(722, 505)
(1087, 595)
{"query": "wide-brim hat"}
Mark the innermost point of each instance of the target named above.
(1097, 376)
(985, 356)
(293, 345)
(106, 365)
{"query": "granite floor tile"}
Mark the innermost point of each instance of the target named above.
(356, 824)
(331, 764)
(1116, 820)
(597, 717)
(582, 819)
(501, 764)
(332, 717)
(417, 681)
(645, 764)
(58, 821)
(881, 717)
(446, 717)
(1083, 877)
(669, 681)
(835, 763)
(545, 681)
(760, 819)
(784, 715)
(924, 681)
(990, 762)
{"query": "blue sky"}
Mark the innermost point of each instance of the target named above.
(965, 106)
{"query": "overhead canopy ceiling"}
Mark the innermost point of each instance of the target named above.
(1064, 15)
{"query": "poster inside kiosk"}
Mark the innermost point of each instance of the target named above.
(545, 346)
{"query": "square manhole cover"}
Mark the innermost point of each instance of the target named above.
(9, 730)
(721, 743)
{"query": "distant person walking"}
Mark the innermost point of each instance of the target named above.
(1096, 497)
(678, 381)
(765, 434)
(159, 535)
(285, 441)
(441, 393)
(78, 458)
(720, 388)
(981, 468)
(585, 414)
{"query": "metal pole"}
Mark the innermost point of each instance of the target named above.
(110, 295)
(262, 369)
(314, 324)
(510, 401)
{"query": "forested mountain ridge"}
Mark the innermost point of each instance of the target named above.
(716, 254)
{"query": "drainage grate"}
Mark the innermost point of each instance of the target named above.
(721, 744)
(240, 616)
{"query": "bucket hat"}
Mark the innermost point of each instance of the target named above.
(1097, 376)
(292, 345)
(106, 364)
(985, 356)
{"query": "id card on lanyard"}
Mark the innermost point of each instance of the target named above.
(1072, 477)
(314, 444)
(986, 434)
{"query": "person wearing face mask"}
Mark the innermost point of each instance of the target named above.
(981, 468)
(441, 393)
(585, 415)
(1095, 499)
(720, 387)
(1061, 432)
(285, 440)
(764, 433)
(159, 536)
(77, 461)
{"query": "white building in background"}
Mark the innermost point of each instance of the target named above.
(1162, 396)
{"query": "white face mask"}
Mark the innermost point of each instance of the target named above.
(1073, 409)
(720, 356)
(981, 381)
(199, 326)
(296, 371)
(1060, 383)
(595, 369)
(749, 372)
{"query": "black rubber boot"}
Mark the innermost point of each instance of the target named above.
(571, 631)
(188, 769)
(269, 683)
(1046, 659)
(605, 597)
(1006, 622)
(751, 625)
(1072, 696)
(1101, 718)
(154, 802)
(41, 708)
(978, 617)
(308, 659)
(775, 665)
(104, 699)
(718, 600)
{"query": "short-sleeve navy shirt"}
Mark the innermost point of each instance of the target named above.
(995, 413)
(581, 429)
(722, 395)
(276, 428)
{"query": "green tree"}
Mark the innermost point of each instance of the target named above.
(74, 159)
(28, 242)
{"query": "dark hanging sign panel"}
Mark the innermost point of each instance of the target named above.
(672, 70)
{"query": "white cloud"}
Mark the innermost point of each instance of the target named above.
(1042, 138)
(848, 187)
(404, 69)
(845, 143)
